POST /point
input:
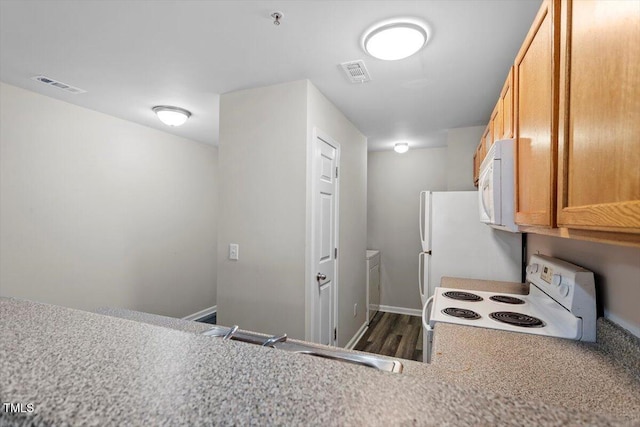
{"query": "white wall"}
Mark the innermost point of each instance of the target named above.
(461, 146)
(394, 184)
(263, 142)
(616, 268)
(395, 181)
(98, 211)
(353, 209)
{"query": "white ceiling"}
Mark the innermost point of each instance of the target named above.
(132, 55)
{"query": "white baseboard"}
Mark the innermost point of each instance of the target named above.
(202, 313)
(354, 340)
(400, 310)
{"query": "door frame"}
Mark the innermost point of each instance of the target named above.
(311, 208)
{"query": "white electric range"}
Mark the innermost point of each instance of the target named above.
(561, 303)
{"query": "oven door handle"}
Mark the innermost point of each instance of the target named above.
(426, 313)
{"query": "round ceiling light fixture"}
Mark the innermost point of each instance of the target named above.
(401, 147)
(171, 116)
(395, 39)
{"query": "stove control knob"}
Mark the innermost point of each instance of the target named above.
(556, 280)
(532, 269)
(564, 289)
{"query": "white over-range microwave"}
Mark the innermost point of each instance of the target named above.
(496, 187)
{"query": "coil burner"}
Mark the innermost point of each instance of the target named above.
(517, 319)
(462, 296)
(461, 313)
(506, 299)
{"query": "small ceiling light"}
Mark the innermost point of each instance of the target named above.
(401, 147)
(395, 39)
(171, 116)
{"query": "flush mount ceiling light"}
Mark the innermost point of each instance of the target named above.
(395, 39)
(401, 147)
(171, 116)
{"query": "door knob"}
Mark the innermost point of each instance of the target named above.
(321, 276)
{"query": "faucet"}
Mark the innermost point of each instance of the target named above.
(232, 331)
(274, 339)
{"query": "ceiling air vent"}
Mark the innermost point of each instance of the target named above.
(51, 82)
(356, 71)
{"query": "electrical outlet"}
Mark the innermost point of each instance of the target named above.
(355, 309)
(234, 250)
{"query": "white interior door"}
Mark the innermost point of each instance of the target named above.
(325, 227)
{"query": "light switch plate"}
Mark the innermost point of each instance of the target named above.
(234, 250)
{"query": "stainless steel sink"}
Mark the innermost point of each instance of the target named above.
(216, 331)
(369, 360)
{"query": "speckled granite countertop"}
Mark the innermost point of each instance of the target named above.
(80, 368)
(155, 319)
(603, 377)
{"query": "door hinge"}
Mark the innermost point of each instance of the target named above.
(336, 171)
(335, 253)
(335, 334)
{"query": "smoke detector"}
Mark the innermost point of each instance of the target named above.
(277, 16)
(55, 83)
(356, 71)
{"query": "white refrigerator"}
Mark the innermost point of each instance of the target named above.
(455, 242)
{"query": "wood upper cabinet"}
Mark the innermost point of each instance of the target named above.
(476, 168)
(536, 82)
(487, 139)
(478, 157)
(506, 108)
(599, 116)
(500, 125)
(572, 103)
(496, 123)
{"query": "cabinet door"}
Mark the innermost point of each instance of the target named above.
(476, 169)
(506, 104)
(496, 123)
(536, 73)
(599, 133)
(477, 159)
(487, 140)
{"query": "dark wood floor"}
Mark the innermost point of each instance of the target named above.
(395, 335)
(211, 319)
